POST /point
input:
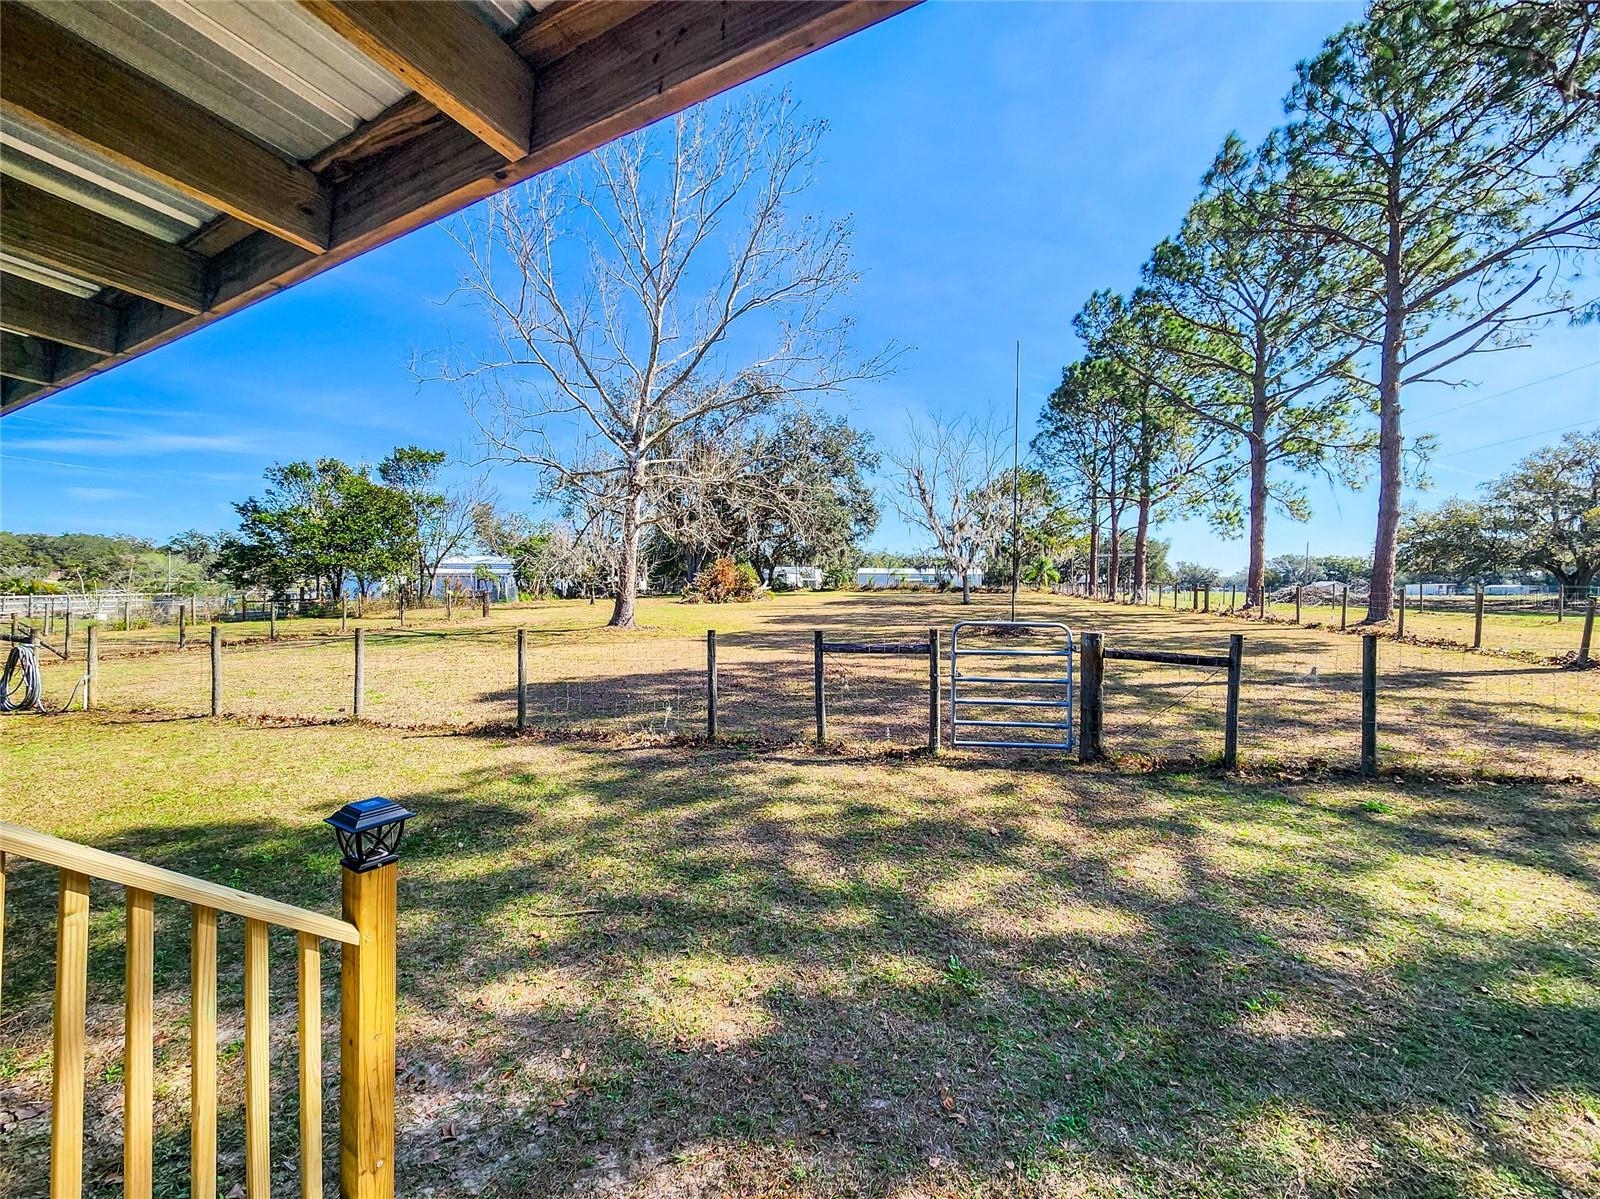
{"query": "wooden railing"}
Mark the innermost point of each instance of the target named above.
(366, 935)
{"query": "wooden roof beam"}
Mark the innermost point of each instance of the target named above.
(448, 56)
(39, 311)
(26, 358)
(55, 79)
(47, 231)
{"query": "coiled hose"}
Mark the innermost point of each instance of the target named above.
(21, 686)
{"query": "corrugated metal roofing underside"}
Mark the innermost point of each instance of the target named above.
(311, 90)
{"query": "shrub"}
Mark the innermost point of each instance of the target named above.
(724, 582)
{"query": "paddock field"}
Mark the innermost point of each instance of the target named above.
(1440, 709)
(1536, 634)
(668, 970)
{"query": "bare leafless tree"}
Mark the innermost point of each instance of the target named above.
(664, 280)
(948, 471)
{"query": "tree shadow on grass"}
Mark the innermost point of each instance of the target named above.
(811, 978)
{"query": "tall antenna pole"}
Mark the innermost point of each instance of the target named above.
(1016, 480)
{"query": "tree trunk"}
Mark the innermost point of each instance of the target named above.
(1386, 545)
(1141, 541)
(622, 614)
(1094, 548)
(966, 586)
(1255, 577)
(1114, 553)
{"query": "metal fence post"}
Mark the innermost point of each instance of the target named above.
(933, 691)
(817, 697)
(522, 679)
(216, 670)
(1369, 704)
(361, 674)
(711, 684)
(1588, 636)
(1091, 720)
(91, 667)
(1477, 617)
(1230, 728)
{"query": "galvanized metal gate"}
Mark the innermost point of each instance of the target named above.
(1051, 686)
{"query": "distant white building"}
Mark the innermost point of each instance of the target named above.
(797, 576)
(912, 576)
(477, 572)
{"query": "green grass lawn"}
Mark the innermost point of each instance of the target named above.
(830, 975)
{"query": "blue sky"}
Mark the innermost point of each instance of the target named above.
(1001, 162)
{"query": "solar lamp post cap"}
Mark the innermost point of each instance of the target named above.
(368, 832)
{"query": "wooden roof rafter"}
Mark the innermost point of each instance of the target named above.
(584, 72)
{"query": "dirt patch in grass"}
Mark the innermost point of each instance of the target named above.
(823, 975)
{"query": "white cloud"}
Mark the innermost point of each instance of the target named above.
(134, 445)
(95, 495)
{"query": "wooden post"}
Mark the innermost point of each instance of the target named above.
(934, 729)
(344, 612)
(272, 620)
(818, 700)
(366, 1037)
(1092, 718)
(1194, 597)
(183, 631)
(711, 684)
(1161, 593)
(138, 1045)
(216, 670)
(66, 634)
(1230, 725)
(1233, 597)
(127, 616)
(1400, 628)
(30, 607)
(361, 674)
(484, 596)
(1344, 606)
(522, 679)
(1298, 590)
(67, 1060)
(91, 667)
(449, 605)
(1208, 599)
(1477, 617)
(1369, 704)
(203, 1055)
(1588, 636)
(1561, 603)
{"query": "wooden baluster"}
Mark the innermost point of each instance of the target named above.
(72, 987)
(257, 1099)
(203, 1056)
(2, 927)
(138, 1065)
(310, 1067)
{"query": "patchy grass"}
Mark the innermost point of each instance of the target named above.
(832, 975)
(1439, 710)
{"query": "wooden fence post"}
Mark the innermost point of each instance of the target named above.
(127, 616)
(522, 679)
(91, 667)
(1344, 606)
(1230, 726)
(272, 620)
(711, 684)
(1161, 593)
(1369, 704)
(1400, 628)
(1208, 599)
(449, 604)
(1588, 636)
(66, 634)
(216, 670)
(366, 1028)
(361, 674)
(1233, 597)
(1561, 603)
(934, 729)
(1092, 718)
(1297, 593)
(1477, 617)
(183, 629)
(484, 597)
(344, 612)
(817, 697)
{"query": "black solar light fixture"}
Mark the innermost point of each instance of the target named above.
(368, 831)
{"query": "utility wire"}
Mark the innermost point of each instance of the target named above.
(1525, 437)
(1508, 391)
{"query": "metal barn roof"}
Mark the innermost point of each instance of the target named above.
(166, 162)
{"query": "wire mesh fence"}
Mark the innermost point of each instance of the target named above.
(1300, 697)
